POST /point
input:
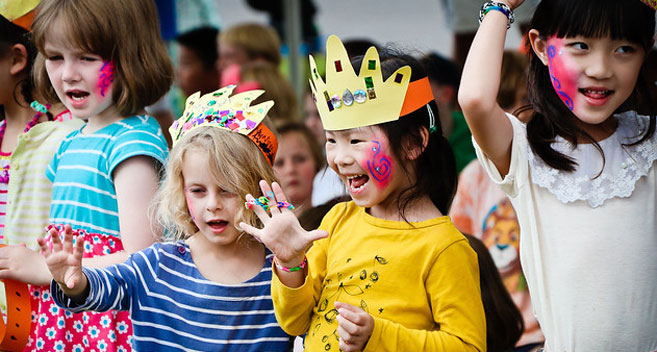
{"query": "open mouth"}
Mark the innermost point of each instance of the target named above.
(77, 95)
(357, 182)
(217, 225)
(596, 93)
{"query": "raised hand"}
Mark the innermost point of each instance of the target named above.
(355, 327)
(282, 233)
(65, 261)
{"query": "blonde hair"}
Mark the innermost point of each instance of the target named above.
(125, 32)
(276, 88)
(257, 41)
(236, 165)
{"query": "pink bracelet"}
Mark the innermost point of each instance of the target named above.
(290, 270)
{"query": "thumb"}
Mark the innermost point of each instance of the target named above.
(315, 235)
(253, 231)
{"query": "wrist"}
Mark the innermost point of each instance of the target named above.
(296, 264)
(500, 7)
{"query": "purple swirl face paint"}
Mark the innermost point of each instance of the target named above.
(105, 78)
(562, 75)
(378, 164)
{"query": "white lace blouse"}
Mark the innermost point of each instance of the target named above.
(589, 244)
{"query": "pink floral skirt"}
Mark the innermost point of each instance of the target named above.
(55, 329)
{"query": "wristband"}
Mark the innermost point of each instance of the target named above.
(497, 6)
(290, 270)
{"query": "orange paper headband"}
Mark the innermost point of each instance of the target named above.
(418, 95)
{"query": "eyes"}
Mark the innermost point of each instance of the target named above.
(201, 191)
(581, 47)
(81, 57)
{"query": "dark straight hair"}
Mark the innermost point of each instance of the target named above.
(11, 35)
(435, 168)
(620, 20)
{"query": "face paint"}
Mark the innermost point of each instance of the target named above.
(105, 78)
(378, 165)
(189, 207)
(563, 79)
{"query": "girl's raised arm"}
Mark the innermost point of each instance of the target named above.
(479, 87)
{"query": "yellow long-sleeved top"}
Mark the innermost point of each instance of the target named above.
(419, 281)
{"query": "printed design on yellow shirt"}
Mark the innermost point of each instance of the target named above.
(354, 285)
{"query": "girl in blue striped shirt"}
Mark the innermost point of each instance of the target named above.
(208, 290)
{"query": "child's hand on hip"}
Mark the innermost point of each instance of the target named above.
(282, 233)
(65, 261)
(355, 327)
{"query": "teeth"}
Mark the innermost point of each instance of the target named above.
(353, 177)
(591, 91)
(77, 98)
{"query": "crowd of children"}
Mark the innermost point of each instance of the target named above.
(217, 240)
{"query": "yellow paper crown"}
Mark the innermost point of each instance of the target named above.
(232, 113)
(19, 11)
(651, 3)
(348, 101)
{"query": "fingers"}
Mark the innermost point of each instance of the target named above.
(255, 232)
(78, 251)
(68, 240)
(258, 210)
(267, 192)
(56, 242)
(354, 326)
(45, 250)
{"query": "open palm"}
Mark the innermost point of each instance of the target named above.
(65, 258)
(282, 233)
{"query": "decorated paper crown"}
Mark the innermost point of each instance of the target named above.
(651, 3)
(21, 12)
(232, 113)
(348, 101)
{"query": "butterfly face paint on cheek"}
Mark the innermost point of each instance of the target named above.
(564, 80)
(105, 78)
(378, 164)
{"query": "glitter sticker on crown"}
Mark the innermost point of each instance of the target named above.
(232, 113)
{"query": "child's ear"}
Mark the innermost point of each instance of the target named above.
(539, 45)
(414, 151)
(18, 59)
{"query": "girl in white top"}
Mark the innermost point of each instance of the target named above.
(580, 174)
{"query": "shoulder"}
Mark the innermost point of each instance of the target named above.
(340, 212)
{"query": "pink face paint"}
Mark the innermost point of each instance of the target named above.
(378, 164)
(105, 78)
(564, 79)
(189, 207)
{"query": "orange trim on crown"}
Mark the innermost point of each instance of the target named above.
(14, 335)
(26, 20)
(418, 95)
(266, 141)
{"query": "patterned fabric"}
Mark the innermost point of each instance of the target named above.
(81, 172)
(173, 307)
(419, 281)
(481, 209)
(30, 192)
(4, 186)
(55, 329)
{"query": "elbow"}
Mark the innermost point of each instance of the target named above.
(474, 103)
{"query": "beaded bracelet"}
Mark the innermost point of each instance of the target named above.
(497, 6)
(290, 270)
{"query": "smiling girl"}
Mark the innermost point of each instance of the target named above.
(580, 174)
(209, 290)
(387, 271)
(104, 63)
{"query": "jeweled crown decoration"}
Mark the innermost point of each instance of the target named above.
(219, 109)
(651, 3)
(233, 113)
(347, 100)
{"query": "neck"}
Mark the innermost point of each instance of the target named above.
(102, 120)
(420, 209)
(597, 132)
(18, 114)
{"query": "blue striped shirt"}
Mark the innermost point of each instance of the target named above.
(173, 307)
(83, 193)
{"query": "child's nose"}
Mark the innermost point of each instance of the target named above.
(599, 67)
(214, 203)
(70, 72)
(343, 156)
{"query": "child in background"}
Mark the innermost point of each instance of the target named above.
(196, 67)
(298, 159)
(387, 271)
(581, 170)
(210, 289)
(105, 63)
(248, 42)
(482, 209)
(504, 323)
